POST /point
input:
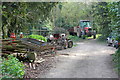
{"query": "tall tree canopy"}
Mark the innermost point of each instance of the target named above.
(18, 16)
(21, 16)
(70, 13)
(106, 16)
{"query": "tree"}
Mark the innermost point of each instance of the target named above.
(19, 16)
(105, 15)
(69, 14)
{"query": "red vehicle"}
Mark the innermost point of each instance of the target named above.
(12, 35)
(83, 29)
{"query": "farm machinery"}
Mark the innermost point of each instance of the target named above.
(84, 29)
(60, 41)
(27, 48)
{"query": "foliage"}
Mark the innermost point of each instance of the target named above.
(70, 14)
(74, 38)
(116, 59)
(13, 17)
(57, 30)
(97, 36)
(22, 16)
(38, 37)
(47, 23)
(11, 67)
(106, 17)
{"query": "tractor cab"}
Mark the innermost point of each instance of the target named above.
(85, 25)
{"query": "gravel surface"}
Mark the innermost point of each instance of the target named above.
(89, 59)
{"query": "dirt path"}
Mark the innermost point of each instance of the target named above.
(88, 59)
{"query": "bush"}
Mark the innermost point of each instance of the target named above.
(38, 37)
(74, 38)
(116, 59)
(11, 68)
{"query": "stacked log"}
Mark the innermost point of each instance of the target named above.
(25, 49)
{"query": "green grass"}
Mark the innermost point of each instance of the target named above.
(74, 38)
(74, 45)
(97, 36)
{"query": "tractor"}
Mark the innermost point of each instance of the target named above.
(84, 29)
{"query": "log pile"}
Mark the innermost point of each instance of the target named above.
(25, 50)
(13, 47)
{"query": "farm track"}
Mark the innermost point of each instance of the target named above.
(89, 59)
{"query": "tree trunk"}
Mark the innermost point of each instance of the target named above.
(8, 33)
(3, 33)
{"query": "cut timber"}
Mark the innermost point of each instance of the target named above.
(36, 45)
(8, 48)
(20, 46)
(16, 41)
(31, 56)
(40, 61)
(7, 52)
(4, 40)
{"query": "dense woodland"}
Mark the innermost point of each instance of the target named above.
(18, 17)
(25, 16)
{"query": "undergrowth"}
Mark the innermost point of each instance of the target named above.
(116, 60)
(10, 67)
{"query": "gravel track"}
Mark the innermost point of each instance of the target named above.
(89, 59)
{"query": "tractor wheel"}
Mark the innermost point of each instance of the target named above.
(113, 44)
(83, 37)
(94, 36)
(117, 46)
(70, 44)
(80, 36)
(109, 44)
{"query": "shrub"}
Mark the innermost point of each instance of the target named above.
(74, 38)
(116, 59)
(11, 68)
(38, 37)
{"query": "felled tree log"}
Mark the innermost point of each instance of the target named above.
(7, 48)
(31, 56)
(20, 46)
(16, 41)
